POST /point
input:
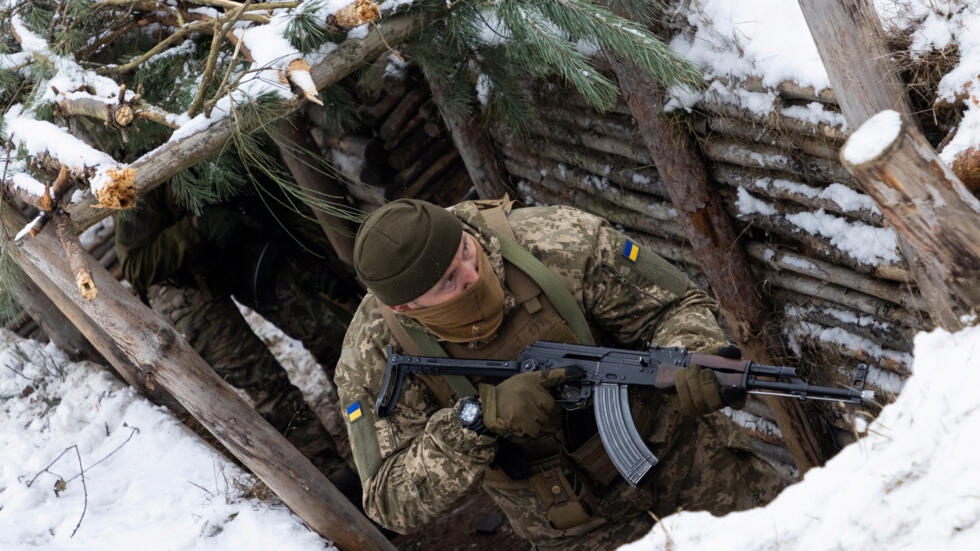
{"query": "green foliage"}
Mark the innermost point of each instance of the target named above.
(340, 107)
(168, 79)
(306, 31)
(513, 40)
(11, 281)
(213, 181)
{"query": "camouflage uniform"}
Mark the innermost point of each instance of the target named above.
(418, 462)
(192, 282)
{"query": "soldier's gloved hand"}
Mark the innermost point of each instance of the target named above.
(699, 390)
(522, 406)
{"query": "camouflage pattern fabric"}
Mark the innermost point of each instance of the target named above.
(418, 462)
(192, 283)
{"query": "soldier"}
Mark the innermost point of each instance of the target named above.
(448, 279)
(188, 268)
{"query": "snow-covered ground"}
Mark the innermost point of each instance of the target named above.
(87, 464)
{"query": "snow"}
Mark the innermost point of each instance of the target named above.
(872, 138)
(910, 483)
(148, 482)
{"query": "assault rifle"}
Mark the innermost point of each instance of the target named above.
(604, 375)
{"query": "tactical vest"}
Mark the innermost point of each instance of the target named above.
(558, 472)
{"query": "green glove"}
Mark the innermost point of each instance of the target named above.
(522, 406)
(698, 391)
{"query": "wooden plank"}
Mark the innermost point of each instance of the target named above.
(129, 334)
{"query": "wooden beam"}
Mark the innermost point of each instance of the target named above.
(164, 162)
(927, 204)
(711, 231)
(129, 334)
(851, 43)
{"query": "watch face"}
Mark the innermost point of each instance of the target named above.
(469, 412)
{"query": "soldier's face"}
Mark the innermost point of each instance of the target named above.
(463, 271)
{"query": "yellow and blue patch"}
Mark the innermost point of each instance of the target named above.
(354, 412)
(631, 251)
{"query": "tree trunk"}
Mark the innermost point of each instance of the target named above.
(321, 187)
(851, 43)
(928, 205)
(474, 147)
(725, 264)
(130, 334)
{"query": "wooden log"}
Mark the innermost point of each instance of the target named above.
(851, 43)
(782, 259)
(813, 170)
(645, 205)
(926, 204)
(622, 172)
(409, 147)
(966, 166)
(886, 334)
(770, 135)
(820, 247)
(561, 193)
(416, 185)
(401, 114)
(633, 151)
(178, 154)
(715, 105)
(711, 232)
(786, 88)
(472, 141)
(811, 197)
(129, 334)
(324, 194)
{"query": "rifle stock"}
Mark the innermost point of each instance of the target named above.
(605, 377)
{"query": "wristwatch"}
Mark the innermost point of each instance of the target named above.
(470, 414)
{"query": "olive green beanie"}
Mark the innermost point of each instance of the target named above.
(404, 247)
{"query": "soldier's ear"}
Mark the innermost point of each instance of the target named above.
(400, 308)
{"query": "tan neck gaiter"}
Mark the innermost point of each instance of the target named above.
(473, 315)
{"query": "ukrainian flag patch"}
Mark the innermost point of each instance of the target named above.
(354, 412)
(630, 251)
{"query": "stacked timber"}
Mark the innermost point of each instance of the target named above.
(781, 180)
(400, 147)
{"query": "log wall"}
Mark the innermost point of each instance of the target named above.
(775, 171)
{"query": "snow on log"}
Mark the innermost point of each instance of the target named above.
(926, 203)
(111, 182)
(354, 15)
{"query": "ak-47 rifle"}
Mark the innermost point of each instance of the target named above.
(604, 375)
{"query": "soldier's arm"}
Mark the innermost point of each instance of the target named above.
(639, 297)
(417, 463)
(152, 245)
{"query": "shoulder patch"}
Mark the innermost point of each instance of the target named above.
(354, 412)
(630, 251)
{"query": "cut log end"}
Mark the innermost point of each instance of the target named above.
(355, 15)
(872, 139)
(120, 191)
(85, 284)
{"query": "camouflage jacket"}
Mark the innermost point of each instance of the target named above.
(418, 462)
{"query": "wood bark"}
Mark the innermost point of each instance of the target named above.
(938, 217)
(129, 334)
(851, 43)
(295, 151)
(726, 266)
(472, 142)
(161, 164)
